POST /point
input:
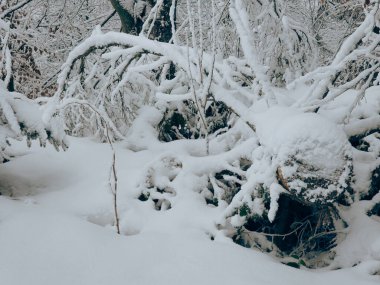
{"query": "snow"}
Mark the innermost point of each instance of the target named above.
(364, 115)
(240, 18)
(57, 227)
(176, 208)
(287, 130)
(275, 190)
(362, 243)
(368, 107)
(22, 117)
(300, 141)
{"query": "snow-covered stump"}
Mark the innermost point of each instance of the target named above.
(301, 171)
(311, 155)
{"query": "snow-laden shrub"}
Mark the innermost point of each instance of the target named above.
(157, 185)
(182, 122)
(21, 117)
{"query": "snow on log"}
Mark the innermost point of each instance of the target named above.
(310, 154)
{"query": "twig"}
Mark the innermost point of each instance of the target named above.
(113, 180)
(14, 8)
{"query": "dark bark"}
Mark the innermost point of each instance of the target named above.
(162, 30)
(132, 24)
(126, 19)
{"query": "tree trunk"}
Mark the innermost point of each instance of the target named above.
(127, 20)
(162, 30)
(132, 24)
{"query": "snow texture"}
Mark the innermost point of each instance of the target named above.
(57, 229)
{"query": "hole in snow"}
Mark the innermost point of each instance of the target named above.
(102, 219)
(15, 187)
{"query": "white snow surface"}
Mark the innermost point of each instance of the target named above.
(56, 219)
(286, 131)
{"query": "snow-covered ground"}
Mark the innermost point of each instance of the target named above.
(56, 217)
